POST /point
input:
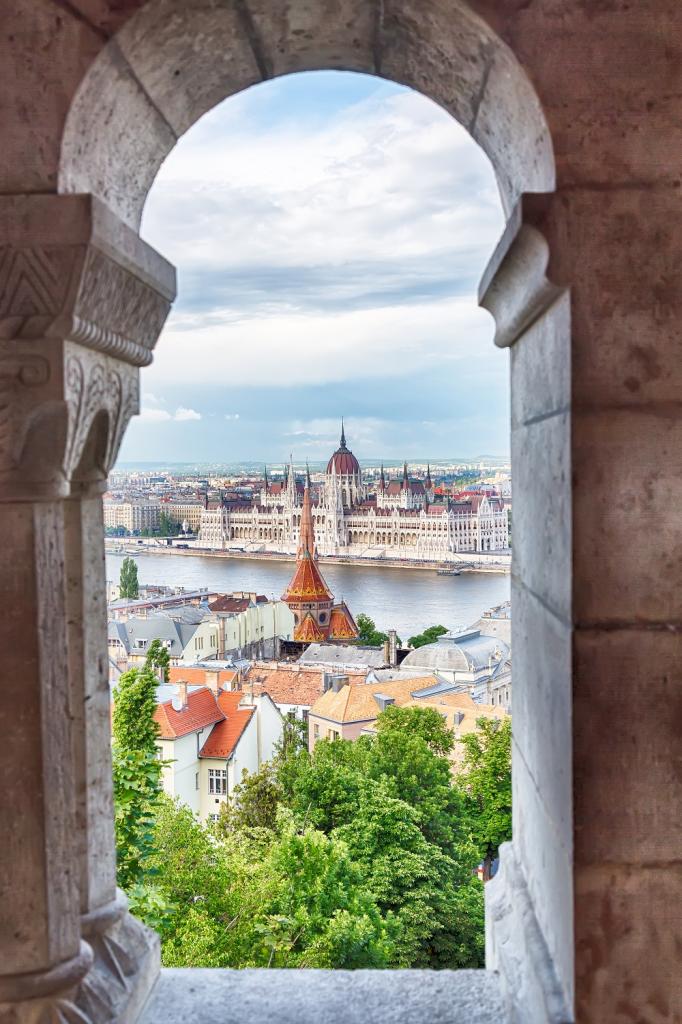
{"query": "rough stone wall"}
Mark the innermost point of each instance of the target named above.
(94, 93)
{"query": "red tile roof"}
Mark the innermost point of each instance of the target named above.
(289, 686)
(202, 710)
(341, 624)
(309, 630)
(307, 583)
(225, 735)
(197, 676)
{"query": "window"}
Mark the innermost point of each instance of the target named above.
(305, 714)
(198, 643)
(316, 731)
(196, 780)
(217, 781)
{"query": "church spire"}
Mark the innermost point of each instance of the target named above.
(343, 435)
(306, 540)
(382, 479)
(265, 474)
(406, 479)
(428, 474)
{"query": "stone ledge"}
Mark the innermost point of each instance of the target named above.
(338, 997)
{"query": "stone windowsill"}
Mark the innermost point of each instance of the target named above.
(205, 996)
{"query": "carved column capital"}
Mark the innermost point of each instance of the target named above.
(82, 303)
(518, 284)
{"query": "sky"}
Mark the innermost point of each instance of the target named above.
(329, 231)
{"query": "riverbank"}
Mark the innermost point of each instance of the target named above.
(498, 564)
(399, 599)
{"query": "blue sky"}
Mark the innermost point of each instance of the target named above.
(329, 232)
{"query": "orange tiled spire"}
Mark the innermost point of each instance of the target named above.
(307, 583)
(306, 539)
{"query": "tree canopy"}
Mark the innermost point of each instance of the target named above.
(486, 785)
(368, 633)
(355, 855)
(129, 586)
(429, 636)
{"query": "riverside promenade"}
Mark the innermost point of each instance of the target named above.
(469, 562)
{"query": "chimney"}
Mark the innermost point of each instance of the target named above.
(387, 652)
(182, 694)
(383, 700)
(338, 682)
(212, 679)
(458, 717)
(326, 681)
(392, 648)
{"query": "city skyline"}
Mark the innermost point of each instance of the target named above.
(323, 266)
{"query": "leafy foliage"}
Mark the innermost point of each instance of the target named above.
(167, 527)
(429, 636)
(358, 854)
(368, 633)
(485, 784)
(128, 583)
(137, 781)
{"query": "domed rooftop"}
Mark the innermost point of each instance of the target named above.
(465, 651)
(343, 459)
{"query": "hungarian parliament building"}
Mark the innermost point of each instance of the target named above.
(398, 518)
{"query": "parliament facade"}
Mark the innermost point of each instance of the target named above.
(400, 518)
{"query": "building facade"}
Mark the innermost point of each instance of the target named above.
(400, 519)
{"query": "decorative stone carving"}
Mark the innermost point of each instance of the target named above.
(517, 951)
(125, 965)
(515, 287)
(82, 302)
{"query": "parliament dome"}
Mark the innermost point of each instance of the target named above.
(343, 460)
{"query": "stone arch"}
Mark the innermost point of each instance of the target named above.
(165, 68)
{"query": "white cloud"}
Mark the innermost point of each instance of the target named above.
(324, 248)
(152, 411)
(231, 415)
(182, 414)
(155, 415)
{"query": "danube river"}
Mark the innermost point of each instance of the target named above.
(408, 600)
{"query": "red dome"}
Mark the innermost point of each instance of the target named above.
(343, 460)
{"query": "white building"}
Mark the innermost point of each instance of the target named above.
(401, 520)
(472, 660)
(133, 516)
(210, 737)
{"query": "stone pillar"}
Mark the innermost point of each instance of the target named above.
(584, 917)
(82, 301)
(529, 904)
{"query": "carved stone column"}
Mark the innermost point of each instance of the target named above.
(82, 301)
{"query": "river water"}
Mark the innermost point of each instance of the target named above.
(408, 600)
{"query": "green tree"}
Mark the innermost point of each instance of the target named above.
(368, 633)
(128, 582)
(255, 802)
(429, 636)
(137, 781)
(485, 783)
(167, 527)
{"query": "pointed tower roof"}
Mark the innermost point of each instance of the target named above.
(309, 631)
(382, 479)
(406, 479)
(306, 539)
(307, 583)
(428, 474)
(342, 624)
(343, 458)
(265, 474)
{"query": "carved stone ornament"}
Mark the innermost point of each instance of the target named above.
(82, 303)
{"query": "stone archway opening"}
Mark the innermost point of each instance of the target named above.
(164, 68)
